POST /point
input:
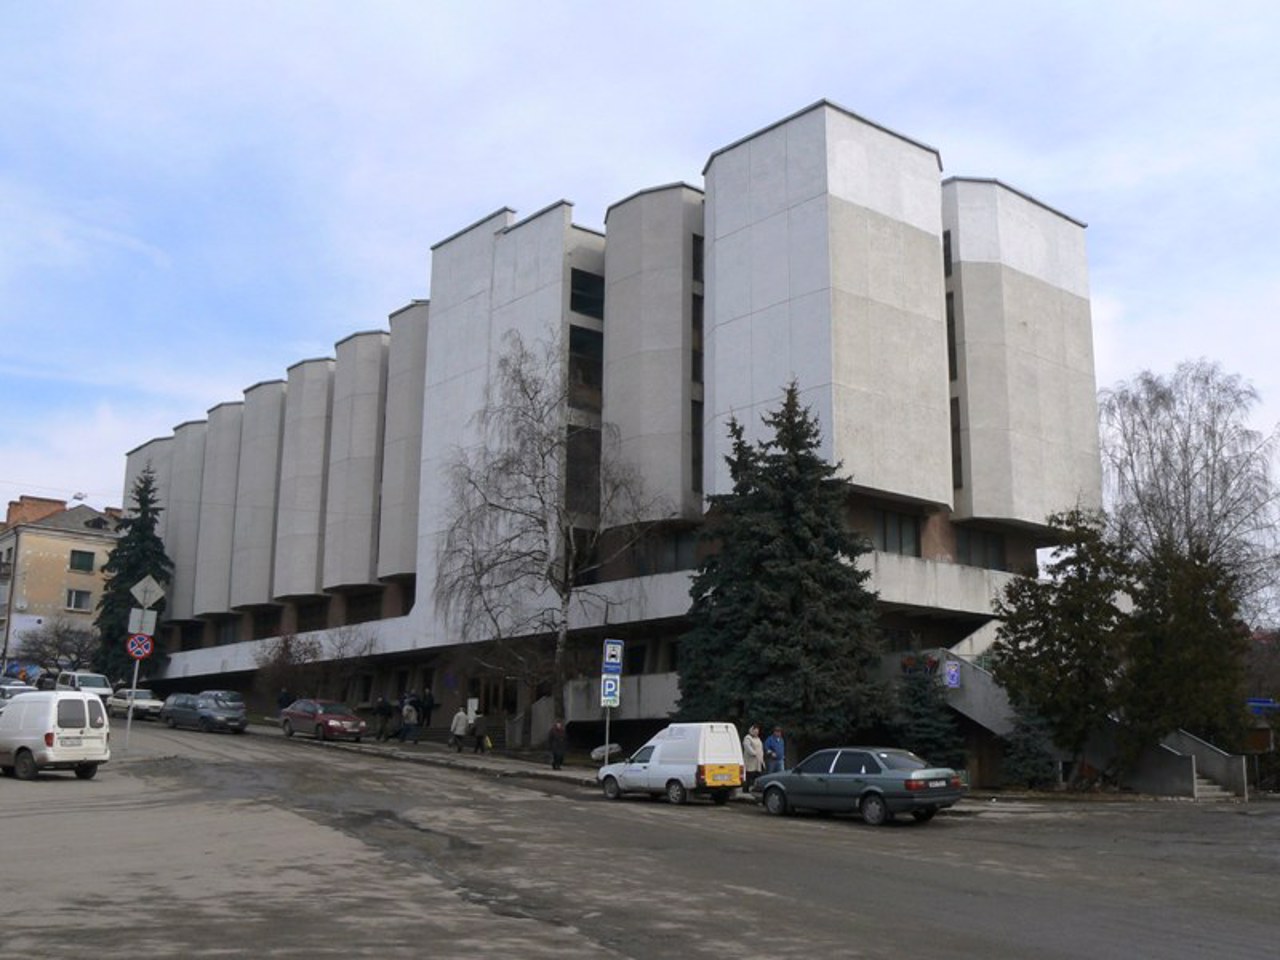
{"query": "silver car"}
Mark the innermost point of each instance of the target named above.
(876, 782)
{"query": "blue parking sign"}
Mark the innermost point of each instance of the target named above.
(610, 690)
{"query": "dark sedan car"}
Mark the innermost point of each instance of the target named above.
(206, 711)
(876, 782)
(323, 719)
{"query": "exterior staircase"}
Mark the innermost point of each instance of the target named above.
(1206, 789)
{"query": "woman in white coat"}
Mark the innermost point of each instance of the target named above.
(752, 755)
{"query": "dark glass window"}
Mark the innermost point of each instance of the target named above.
(72, 714)
(957, 453)
(699, 258)
(586, 368)
(82, 561)
(953, 363)
(695, 340)
(946, 253)
(635, 657)
(642, 755)
(586, 293)
(894, 532)
(582, 480)
(695, 444)
(820, 762)
(980, 548)
(855, 761)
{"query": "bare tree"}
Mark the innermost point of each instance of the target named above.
(1185, 472)
(318, 665)
(540, 504)
(59, 644)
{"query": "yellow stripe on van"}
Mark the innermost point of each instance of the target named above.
(723, 775)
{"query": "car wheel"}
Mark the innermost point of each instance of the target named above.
(24, 766)
(205, 725)
(720, 797)
(611, 789)
(6, 771)
(86, 771)
(676, 793)
(320, 734)
(170, 721)
(775, 801)
(287, 727)
(237, 730)
(355, 739)
(874, 811)
(925, 815)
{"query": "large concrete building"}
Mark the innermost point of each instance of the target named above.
(938, 328)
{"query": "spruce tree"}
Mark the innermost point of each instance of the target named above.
(926, 724)
(137, 554)
(782, 622)
(1028, 754)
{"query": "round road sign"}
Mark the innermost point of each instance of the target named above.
(139, 646)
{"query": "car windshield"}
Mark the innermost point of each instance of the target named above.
(93, 680)
(334, 708)
(228, 698)
(901, 761)
(143, 695)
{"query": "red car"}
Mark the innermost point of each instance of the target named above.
(323, 719)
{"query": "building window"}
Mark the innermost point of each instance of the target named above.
(586, 368)
(695, 445)
(957, 454)
(82, 561)
(894, 532)
(699, 258)
(980, 548)
(953, 364)
(79, 600)
(582, 476)
(635, 658)
(946, 253)
(586, 293)
(695, 340)
(312, 614)
(228, 631)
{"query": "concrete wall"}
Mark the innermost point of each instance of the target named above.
(824, 267)
(355, 461)
(647, 344)
(183, 531)
(402, 441)
(218, 509)
(257, 491)
(1028, 409)
(304, 462)
(157, 454)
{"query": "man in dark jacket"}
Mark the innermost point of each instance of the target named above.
(556, 742)
(383, 711)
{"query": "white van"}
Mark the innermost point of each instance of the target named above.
(84, 680)
(683, 759)
(54, 730)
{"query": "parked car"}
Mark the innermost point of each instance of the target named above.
(681, 759)
(54, 730)
(83, 680)
(323, 719)
(10, 690)
(205, 712)
(876, 782)
(146, 706)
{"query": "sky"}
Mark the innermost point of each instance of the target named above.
(195, 196)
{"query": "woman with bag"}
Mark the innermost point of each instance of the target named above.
(752, 755)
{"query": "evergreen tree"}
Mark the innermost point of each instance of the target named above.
(137, 554)
(1185, 665)
(782, 623)
(926, 724)
(1062, 644)
(1028, 755)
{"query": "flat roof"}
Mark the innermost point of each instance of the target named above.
(1014, 190)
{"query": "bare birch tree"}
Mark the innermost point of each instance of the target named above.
(1185, 472)
(541, 504)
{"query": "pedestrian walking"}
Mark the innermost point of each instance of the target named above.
(480, 727)
(383, 711)
(283, 699)
(428, 705)
(775, 751)
(408, 721)
(556, 740)
(458, 729)
(752, 755)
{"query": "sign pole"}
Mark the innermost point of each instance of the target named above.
(128, 722)
(607, 711)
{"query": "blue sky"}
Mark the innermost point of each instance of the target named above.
(195, 196)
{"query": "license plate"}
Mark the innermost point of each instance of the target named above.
(71, 741)
(937, 783)
(722, 778)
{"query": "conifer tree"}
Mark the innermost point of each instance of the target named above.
(783, 624)
(926, 724)
(1028, 755)
(137, 554)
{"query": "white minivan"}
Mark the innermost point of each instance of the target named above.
(685, 758)
(54, 730)
(84, 680)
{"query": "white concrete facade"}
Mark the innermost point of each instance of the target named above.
(218, 509)
(815, 255)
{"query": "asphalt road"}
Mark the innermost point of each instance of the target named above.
(199, 845)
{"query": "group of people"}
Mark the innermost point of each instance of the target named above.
(414, 711)
(763, 756)
(462, 726)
